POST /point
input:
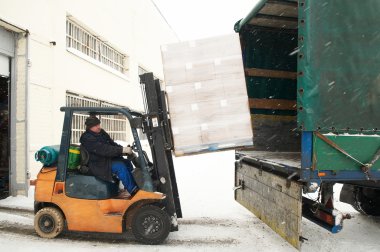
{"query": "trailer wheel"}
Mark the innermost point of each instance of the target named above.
(48, 222)
(367, 201)
(150, 225)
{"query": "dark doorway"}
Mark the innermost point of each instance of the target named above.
(4, 136)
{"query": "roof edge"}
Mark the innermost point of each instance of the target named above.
(9, 26)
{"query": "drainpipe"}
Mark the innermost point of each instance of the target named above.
(27, 171)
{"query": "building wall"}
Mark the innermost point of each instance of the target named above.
(134, 27)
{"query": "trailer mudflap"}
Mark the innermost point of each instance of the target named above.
(275, 200)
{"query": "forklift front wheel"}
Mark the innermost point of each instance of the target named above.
(48, 222)
(150, 225)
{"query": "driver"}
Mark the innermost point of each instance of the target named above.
(105, 157)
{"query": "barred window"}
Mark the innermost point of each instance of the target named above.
(117, 126)
(79, 38)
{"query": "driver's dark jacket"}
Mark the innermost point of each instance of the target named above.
(102, 149)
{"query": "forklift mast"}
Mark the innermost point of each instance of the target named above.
(157, 128)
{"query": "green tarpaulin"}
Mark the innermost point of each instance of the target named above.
(339, 65)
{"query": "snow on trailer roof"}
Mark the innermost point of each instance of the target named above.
(350, 135)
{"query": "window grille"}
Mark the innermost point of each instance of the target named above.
(89, 44)
(117, 126)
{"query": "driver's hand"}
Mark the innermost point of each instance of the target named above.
(127, 150)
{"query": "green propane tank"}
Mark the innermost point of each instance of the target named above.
(74, 157)
(47, 155)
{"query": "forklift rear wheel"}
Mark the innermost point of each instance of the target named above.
(151, 225)
(48, 222)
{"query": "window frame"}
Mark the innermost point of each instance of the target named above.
(81, 39)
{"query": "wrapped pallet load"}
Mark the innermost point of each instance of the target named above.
(207, 96)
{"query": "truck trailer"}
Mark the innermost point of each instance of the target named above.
(312, 71)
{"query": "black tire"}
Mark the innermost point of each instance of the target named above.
(150, 225)
(48, 222)
(367, 201)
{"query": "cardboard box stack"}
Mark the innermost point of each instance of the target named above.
(207, 95)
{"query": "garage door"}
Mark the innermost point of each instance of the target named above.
(7, 49)
(7, 43)
(4, 66)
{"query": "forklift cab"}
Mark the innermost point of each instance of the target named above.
(78, 202)
(81, 185)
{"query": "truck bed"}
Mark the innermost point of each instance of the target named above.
(285, 159)
(283, 163)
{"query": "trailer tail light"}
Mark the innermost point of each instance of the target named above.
(325, 217)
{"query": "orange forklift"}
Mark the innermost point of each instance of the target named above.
(68, 199)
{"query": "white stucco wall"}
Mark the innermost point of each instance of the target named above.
(134, 27)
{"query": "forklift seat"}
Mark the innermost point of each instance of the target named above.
(84, 185)
(84, 157)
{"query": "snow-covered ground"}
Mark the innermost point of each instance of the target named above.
(212, 221)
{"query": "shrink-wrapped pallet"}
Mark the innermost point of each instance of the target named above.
(207, 95)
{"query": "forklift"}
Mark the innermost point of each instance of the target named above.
(73, 201)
